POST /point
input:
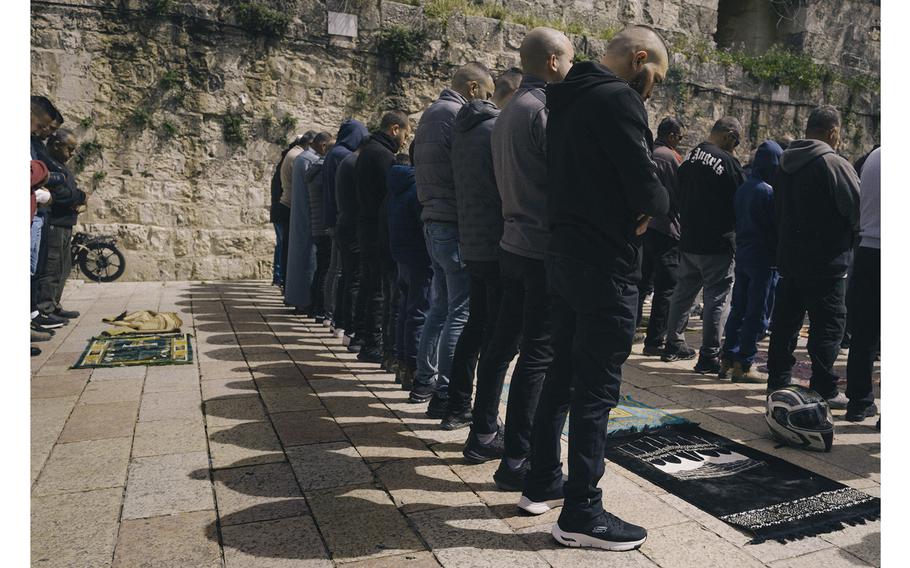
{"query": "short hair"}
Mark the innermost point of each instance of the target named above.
(403, 159)
(538, 45)
(47, 106)
(61, 136)
(321, 138)
(394, 117)
(634, 38)
(669, 125)
(823, 119)
(727, 124)
(508, 82)
(474, 71)
(308, 136)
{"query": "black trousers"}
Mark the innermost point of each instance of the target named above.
(823, 299)
(390, 297)
(58, 261)
(317, 289)
(660, 259)
(864, 303)
(486, 293)
(370, 289)
(593, 325)
(524, 318)
(350, 311)
(285, 228)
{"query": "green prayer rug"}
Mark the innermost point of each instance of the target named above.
(125, 351)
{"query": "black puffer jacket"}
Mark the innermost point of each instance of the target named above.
(432, 158)
(479, 205)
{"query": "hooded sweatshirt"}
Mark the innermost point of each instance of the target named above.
(405, 230)
(667, 160)
(432, 159)
(753, 204)
(479, 206)
(520, 162)
(371, 172)
(870, 203)
(816, 202)
(601, 176)
(350, 134)
(708, 179)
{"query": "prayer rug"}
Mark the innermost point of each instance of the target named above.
(766, 496)
(128, 350)
(631, 417)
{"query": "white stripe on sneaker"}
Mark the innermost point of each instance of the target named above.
(578, 540)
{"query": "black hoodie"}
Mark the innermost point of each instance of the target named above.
(371, 172)
(479, 206)
(600, 171)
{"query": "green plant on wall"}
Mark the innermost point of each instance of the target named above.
(86, 153)
(232, 129)
(168, 129)
(170, 80)
(160, 7)
(401, 44)
(287, 124)
(140, 118)
(261, 19)
(86, 122)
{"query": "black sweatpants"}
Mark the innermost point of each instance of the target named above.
(370, 289)
(864, 304)
(486, 293)
(350, 316)
(524, 318)
(660, 259)
(823, 299)
(317, 289)
(593, 325)
(390, 295)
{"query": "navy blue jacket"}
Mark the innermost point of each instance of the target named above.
(405, 230)
(350, 134)
(753, 206)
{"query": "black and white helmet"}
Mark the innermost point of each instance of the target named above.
(800, 417)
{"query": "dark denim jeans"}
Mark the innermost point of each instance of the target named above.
(413, 303)
(593, 325)
(864, 301)
(522, 325)
(660, 260)
(448, 305)
(748, 312)
(350, 316)
(486, 293)
(389, 308)
(823, 299)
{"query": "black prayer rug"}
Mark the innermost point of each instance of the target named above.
(766, 496)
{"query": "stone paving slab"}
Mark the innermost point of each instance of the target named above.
(278, 448)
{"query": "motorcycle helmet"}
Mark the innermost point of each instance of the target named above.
(800, 417)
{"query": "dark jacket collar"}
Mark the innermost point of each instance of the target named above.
(387, 141)
(531, 82)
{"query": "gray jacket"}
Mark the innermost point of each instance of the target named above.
(432, 161)
(479, 206)
(520, 164)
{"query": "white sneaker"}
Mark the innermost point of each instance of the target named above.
(538, 507)
(346, 340)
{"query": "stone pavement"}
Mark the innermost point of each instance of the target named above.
(277, 448)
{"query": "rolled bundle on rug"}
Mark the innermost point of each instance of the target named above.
(144, 321)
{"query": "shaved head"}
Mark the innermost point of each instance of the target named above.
(639, 55)
(473, 81)
(546, 53)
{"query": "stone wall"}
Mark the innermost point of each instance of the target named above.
(181, 107)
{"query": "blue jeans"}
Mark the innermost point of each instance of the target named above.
(748, 312)
(35, 244)
(413, 304)
(449, 306)
(277, 265)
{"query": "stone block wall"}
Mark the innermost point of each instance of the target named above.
(182, 110)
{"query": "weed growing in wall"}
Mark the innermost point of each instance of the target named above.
(232, 129)
(261, 19)
(401, 44)
(168, 129)
(86, 153)
(140, 118)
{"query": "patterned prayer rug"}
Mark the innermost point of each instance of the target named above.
(128, 350)
(632, 417)
(768, 497)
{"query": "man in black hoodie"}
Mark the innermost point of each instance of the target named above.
(603, 189)
(708, 179)
(370, 172)
(816, 202)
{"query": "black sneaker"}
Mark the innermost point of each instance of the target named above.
(708, 365)
(422, 392)
(508, 479)
(652, 350)
(608, 532)
(35, 351)
(682, 354)
(48, 321)
(355, 345)
(438, 407)
(540, 504)
(475, 452)
(66, 314)
(369, 355)
(860, 414)
(457, 421)
(40, 329)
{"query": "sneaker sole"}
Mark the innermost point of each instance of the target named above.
(456, 426)
(475, 459)
(538, 507)
(53, 325)
(674, 358)
(578, 540)
(417, 399)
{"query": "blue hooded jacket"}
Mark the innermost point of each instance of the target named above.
(350, 134)
(406, 241)
(753, 204)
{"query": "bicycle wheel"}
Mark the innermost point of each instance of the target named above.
(102, 262)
